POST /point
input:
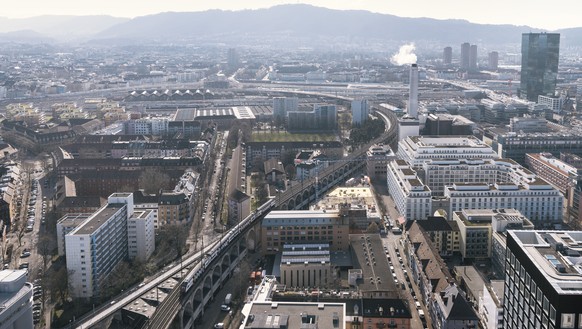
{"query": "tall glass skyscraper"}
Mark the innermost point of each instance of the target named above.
(539, 64)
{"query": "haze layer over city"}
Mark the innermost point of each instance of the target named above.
(265, 164)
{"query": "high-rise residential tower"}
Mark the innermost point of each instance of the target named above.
(493, 61)
(360, 111)
(232, 59)
(539, 64)
(448, 55)
(282, 106)
(473, 58)
(465, 50)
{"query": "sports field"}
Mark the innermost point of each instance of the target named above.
(267, 136)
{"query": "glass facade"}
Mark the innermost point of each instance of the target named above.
(539, 64)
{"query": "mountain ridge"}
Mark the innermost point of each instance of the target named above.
(62, 27)
(293, 21)
(307, 20)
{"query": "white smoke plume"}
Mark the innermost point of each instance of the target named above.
(405, 55)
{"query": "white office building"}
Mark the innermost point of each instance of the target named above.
(148, 126)
(410, 195)
(536, 199)
(360, 111)
(438, 173)
(15, 300)
(476, 184)
(141, 235)
(418, 149)
(98, 244)
(554, 103)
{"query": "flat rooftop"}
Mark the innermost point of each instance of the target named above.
(356, 197)
(472, 279)
(300, 217)
(141, 214)
(94, 222)
(557, 255)
(305, 254)
(73, 219)
(448, 141)
(185, 115)
(296, 315)
(214, 112)
(13, 287)
(380, 149)
(243, 112)
(120, 195)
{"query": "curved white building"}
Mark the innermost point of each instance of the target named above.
(15, 300)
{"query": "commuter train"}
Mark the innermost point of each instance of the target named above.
(232, 234)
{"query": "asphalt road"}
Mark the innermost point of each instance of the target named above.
(392, 243)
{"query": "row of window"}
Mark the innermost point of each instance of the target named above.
(269, 228)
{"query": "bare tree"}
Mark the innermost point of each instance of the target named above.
(28, 170)
(123, 276)
(45, 160)
(45, 249)
(288, 158)
(58, 283)
(170, 242)
(20, 231)
(233, 135)
(151, 181)
(290, 170)
(178, 236)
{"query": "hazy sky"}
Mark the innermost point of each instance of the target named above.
(535, 13)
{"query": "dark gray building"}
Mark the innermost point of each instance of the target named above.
(539, 64)
(448, 55)
(465, 50)
(543, 281)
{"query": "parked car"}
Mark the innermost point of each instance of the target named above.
(219, 325)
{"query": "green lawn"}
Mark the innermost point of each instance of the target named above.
(267, 136)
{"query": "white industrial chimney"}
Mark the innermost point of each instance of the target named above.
(413, 93)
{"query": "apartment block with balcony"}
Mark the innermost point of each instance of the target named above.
(98, 244)
(141, 235)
